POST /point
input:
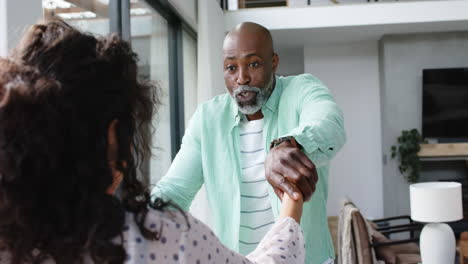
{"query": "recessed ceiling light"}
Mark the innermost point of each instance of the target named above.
(106, 2)
(77, 15)
(54, 4)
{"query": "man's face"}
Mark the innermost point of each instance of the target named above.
(249, 66)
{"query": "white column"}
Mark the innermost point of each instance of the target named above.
(210, 76)
(233, 5)
(210, 43)
(3, 28)
(15, 18)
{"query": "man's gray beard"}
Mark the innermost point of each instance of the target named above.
(260, 99)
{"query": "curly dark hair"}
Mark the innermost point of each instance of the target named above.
(59, 92)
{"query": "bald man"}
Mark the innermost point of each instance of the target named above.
(267, 137)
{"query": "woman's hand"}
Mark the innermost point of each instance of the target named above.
(291, 208)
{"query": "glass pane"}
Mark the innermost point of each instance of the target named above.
(189, 45)
(88, 15)
(149, 38)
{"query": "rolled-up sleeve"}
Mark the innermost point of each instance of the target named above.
(321, 125)
(185, 176)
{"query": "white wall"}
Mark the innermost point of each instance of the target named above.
(15, 19)
(291, 61)
(403, 57)
(351, 72)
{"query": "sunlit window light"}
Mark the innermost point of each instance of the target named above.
(139, 11)
(54, 4)
(77, 15)
(106, 2)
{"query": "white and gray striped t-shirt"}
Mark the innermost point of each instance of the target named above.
(256, 214)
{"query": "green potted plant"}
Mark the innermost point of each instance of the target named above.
(406, 150)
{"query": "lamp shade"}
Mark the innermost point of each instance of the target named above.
(436, 202)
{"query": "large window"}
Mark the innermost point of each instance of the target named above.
(149, 38)
(190, 74)
(167, 50)
(88, 15)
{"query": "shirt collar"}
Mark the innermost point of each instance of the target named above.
(270, 105)
(273, 100)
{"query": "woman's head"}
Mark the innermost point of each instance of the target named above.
(59, 93)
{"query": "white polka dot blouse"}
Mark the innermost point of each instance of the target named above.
(284, 242)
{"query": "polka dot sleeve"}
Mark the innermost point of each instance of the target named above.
(284, 243)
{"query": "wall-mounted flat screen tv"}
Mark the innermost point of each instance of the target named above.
(445, 104)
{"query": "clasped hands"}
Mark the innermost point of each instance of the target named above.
(290, 171)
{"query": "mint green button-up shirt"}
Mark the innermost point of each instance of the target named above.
(300, 106)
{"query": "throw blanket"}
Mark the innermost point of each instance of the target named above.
(346, 247)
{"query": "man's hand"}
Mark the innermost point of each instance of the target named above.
(289, 170)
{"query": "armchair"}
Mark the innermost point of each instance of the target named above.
(367, 242)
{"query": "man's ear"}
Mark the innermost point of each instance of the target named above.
(275, 62)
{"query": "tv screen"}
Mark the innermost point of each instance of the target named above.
(445, 104)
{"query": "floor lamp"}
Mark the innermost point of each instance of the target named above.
(435, 203)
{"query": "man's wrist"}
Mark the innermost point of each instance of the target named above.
(290, 139)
